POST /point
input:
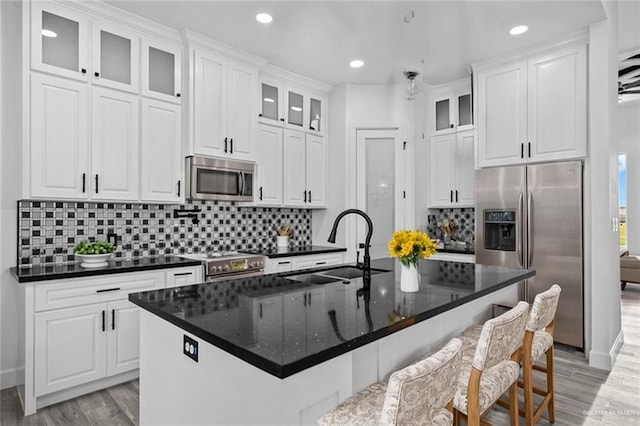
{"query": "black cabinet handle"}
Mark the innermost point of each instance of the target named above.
(113, 319)
(178, 188)
(84, 183)
(286, 262)
(260, 193)
(261, 310)
(309, 299)
(177, 95)
(305, 196)
(451, 195)
(231, 145)
(260, 115)
(105, 290)
(104, 314)
(456, 195)
(324, 262)
(305, 300)
(96, 184)
(282, 119)
(309, 195)
(521, 150)
(97, 74)
(451, 125)
(182, 274)
(225, 144)
(529, 144)
(83, 70)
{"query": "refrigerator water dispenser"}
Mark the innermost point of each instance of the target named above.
(500, 230)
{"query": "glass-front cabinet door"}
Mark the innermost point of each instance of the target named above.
(465, 111)
(315, 114)
(161, 70)
(271, 102)
(295, 108)
(443, 115)
(59, 41)
(115, 54)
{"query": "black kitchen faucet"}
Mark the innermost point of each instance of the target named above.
(366, 264)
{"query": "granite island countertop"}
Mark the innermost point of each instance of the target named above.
(116, 266)
(283, 326)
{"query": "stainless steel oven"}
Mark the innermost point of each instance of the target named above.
(217, 179)
(220, 266)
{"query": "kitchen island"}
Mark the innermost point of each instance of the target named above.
(276, 350)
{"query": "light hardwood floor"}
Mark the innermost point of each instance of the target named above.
(584, 395)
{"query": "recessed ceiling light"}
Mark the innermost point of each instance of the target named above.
(269, 100)
(264, 18)
(519, 29)
(49, 33)
(356, 63)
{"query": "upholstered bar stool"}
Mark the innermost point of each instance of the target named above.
(490, 366)
(416, 395)
(538, 340)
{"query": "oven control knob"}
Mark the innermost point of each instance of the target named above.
(225, 267)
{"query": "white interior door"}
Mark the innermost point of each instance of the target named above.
(380, 183)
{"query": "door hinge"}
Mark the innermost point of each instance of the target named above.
(404, 194)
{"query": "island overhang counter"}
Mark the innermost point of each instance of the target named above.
(273, 350)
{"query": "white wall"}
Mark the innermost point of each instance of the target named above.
(628, 125)
(353, 106)
(10, 186)
(602, 289)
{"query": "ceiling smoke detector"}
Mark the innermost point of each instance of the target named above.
(412, 89)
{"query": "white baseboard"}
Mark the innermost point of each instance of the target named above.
(604, 361)
(11, 378)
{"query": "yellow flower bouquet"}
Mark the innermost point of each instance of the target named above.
(410, 245)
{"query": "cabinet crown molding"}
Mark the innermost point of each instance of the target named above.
(569, 40)
(195, 39)
(296, 79)
(103, 11)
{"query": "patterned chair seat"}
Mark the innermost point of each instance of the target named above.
(415, 395)
(493, 383)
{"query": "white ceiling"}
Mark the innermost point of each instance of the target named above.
(319, 38)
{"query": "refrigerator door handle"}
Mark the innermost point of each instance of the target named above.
(519, 231)
(529, 231)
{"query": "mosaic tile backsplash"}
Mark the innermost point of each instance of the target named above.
(48, 230)
(462, 220)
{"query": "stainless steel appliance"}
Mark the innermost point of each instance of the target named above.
(229, 265)
(217, 179)
(531, 216)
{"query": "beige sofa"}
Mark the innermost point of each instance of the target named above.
(629, 269)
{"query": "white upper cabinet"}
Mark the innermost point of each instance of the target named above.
(533, 110)
(161, 165)
(115, 145)
(286, 105)
(59, 41)
(115, 57)
(451, 107)
(59, 137)
(452, 172)
(224, 98)
(269, 166)
(161, 69)
(305, 170)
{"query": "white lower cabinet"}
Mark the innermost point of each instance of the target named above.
(70, 348)
(85, 332)
(293, 263)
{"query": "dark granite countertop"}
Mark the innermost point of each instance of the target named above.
(274, 252)
(117, 266)
(283, 326)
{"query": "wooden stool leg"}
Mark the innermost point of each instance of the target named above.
(550, 386)
(513, 404)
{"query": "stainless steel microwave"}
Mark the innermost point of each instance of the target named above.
(217, 179)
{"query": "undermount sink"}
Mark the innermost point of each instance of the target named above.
(313, 279)
(350, 272)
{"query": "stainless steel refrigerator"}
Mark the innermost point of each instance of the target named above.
(531, 216)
